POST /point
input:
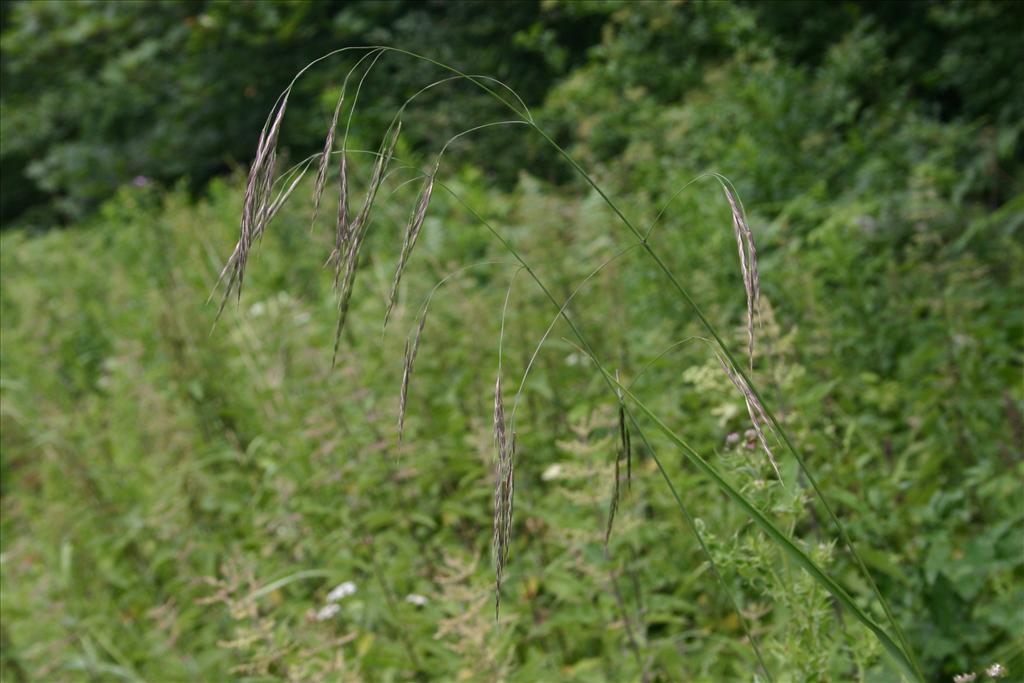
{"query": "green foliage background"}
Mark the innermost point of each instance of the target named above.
(177, 503)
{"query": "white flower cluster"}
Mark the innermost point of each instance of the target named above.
(416, 599)
(328, 611)
(551, 473)
(997, 670)
(337, 594)
(341, 591)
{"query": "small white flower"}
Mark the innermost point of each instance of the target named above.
(997, 670)
(965, 678)
(551, 473)
(328, 611)
(415, 599)
(341, 591)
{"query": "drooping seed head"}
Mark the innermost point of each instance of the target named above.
(410, 358)
(325, 158)
(504, 490)
(412, 233)
(341, 230)
(748, 266)
(256, 203)
(356, 235)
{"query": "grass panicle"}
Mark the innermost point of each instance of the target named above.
(412, 233)
(410, 358)
(358, 232)
(748, 264)
(504, 478)
(341, 228)
(325, 158)
(257, 204)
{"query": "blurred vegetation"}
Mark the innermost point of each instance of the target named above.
(101, 92)
(177, 504)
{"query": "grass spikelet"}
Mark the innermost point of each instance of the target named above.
(348, 277)
(255, 208)
(504, 475)
(410, 358)
(354, 236)
(624, 452)
(754, 409)
(377, 177)
(341, 228)
(412, 233)
(256, 204)
(497, 542)
(504, 483)
(748, 265)
(508, 479)
(499, 424)
(325, 159)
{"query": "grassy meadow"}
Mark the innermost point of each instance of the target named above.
(187, 498)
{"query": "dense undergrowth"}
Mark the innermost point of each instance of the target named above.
(178, 503)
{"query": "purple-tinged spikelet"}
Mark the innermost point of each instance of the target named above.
(504, 489)
(325, 158)
(410, 358)
(412, 233)
(748, 266)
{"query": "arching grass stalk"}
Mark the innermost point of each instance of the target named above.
(503, 520)
(902, 658)
(256, 215)
(706, 323)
